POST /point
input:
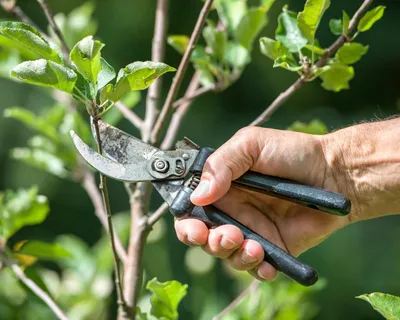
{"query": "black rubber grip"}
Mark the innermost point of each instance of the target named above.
(311, 197)
(280, 259)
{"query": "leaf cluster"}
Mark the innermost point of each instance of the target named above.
(296, 47)
(87, 76)
(228, 44)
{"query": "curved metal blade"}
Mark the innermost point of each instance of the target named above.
(121, 146)
(130, 172)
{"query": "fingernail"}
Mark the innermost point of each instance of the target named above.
(260, 274)
(227, 243)
(248, 258)
(194, 242)
(202, 189)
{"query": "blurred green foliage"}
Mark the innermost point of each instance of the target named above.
(82, 283)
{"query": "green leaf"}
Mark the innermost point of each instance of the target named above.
(138, 76)
(113, 116)
(231, 12)
(206, 77)
(317, 50)
(237, 56)
(106, 74)
(288, 32)
(140, 315)
(346, 22)
(84, 88)
(178, 42)
(42, 143)
(21, 208)
(386, 304)
(46, 73)
(41, 159)
(86, 56)
(273, 49)
(43, 250)
(250, 25)
(216, 40)
(340, 26)
(200, 56)
(372, 16)
(336, 77)
(31, 120)
(287, 62)
(105, 92)
(316, 126)
(351, 52)
(30, 38)
(166, 298)
(336, 26)
(309, 19)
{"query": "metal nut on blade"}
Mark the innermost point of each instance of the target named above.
(160, 165)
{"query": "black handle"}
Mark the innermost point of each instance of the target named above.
(296, 192)
(280, 259)
(289, 190)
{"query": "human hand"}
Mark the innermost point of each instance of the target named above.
(319, 161)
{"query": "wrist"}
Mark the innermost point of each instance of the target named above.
(363, 162)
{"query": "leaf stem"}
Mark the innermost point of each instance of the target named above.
(37, 291)
(177, 81)
(50, 18)
(300, 82)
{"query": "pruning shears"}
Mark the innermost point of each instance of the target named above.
(176, 173)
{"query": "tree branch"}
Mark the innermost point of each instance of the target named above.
(50, 18)
(139, 198)
(157, 54)
(176, 83)
(188, 98)
(38, 291)
(180, 112)
(157, 215)
(299, 83)
(123, 309)
(250, 289)
(129, 115)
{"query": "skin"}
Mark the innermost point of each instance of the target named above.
(361, 162)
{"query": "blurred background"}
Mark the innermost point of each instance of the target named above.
(359, 259)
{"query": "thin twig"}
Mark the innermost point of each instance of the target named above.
(50, 18)
(299, 83)
(157, 54)
(123, 311)
(250, 289)
(176, 83)
(38, 291)
(157, 215)
(180, 112)
(279, 100)
(87, 180)
(89, 185)
(129, 115)
(188, 98)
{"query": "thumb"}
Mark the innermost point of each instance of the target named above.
(227, 163)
